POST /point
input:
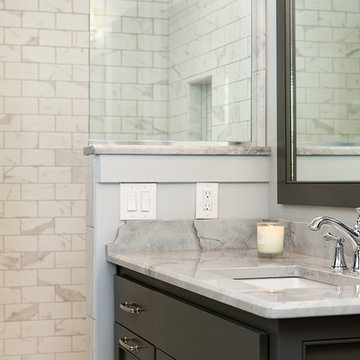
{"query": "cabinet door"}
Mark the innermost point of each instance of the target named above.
(162, 356)
(129, 346)
(185, 331)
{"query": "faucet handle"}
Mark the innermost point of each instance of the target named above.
(329, 236)
(339, 263)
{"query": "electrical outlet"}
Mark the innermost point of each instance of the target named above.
(207, 200)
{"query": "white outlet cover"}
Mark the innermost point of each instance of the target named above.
(201, 212)
(138, 201)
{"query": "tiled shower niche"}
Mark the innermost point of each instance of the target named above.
(171, 70)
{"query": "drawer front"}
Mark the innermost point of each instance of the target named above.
(183, 330)
(130, 346)
(162, 356)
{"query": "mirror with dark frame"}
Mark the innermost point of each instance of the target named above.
(318, 103)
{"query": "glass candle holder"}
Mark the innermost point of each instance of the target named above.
(270, 239)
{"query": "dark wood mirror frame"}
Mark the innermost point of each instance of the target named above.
(343, 194)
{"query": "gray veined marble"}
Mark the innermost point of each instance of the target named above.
(184, 234)
(197, 254)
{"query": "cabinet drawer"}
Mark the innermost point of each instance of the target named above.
(127, 342)
(185, 331)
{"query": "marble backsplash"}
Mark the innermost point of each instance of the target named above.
(216, 234)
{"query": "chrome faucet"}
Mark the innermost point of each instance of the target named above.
(350, 234)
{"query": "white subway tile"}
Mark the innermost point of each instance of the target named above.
(56, 5)
(10, 53)
(69, 225)
(55, 38)
(135, 25)
(70, 259)
(38, 328)
(54, 310)
(21, 4)
(21, 105)
(20, 243)
(38, 20)
(37, 191)
(81, 6)
(38, 226)
(10, 18)
(60, 174)
(67, 89)
(38, 123)
(349, 5)
(152, 10)
(20, 174)
(80, 39)
(54, 140)
(55, 242)
(38, 157)
(121, 74)
(38, 294)
(38, 54)
(54, 208)
(55, 106)
(19, 36)
(9, 192)
(38, 88)
(21, 71)
(122, 8)
(54, 277)
(137, 59)
(72, 56)
(10, 88)
(37, 260)
(9, 295)
(153, 42)
(19, 278)
(80, 107)
(55, 72)
(57, 344)
(72, 21)
(13, 209)
(72, 123)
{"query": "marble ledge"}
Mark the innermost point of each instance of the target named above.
(328, 150)
(126, 149)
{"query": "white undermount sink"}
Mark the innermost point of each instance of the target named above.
(283, 277)
(275, 283)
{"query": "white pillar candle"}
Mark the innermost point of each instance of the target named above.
(270, 238)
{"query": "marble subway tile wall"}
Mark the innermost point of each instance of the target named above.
(43, 128)
(210, 43)
(129, 69)
(328, 70)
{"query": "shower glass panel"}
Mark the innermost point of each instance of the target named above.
(170, 70)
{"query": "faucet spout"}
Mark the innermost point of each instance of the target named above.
(352, 235)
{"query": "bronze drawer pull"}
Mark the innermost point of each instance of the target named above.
(124, 343)
(130, 308)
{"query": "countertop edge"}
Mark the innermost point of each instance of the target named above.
(231, 150)
(262, 308)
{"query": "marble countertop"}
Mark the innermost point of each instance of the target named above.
(205, 272)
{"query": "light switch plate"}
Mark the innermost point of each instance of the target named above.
(207, 200)
(138, 201)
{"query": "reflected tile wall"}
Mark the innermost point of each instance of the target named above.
(43, 128)
(327, 66)
(129, 69)
(211, 40)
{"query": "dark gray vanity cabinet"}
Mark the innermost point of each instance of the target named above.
(180, 329)
(167, 322)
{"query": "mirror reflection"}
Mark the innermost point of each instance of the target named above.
(171, 70)
(325, 90)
